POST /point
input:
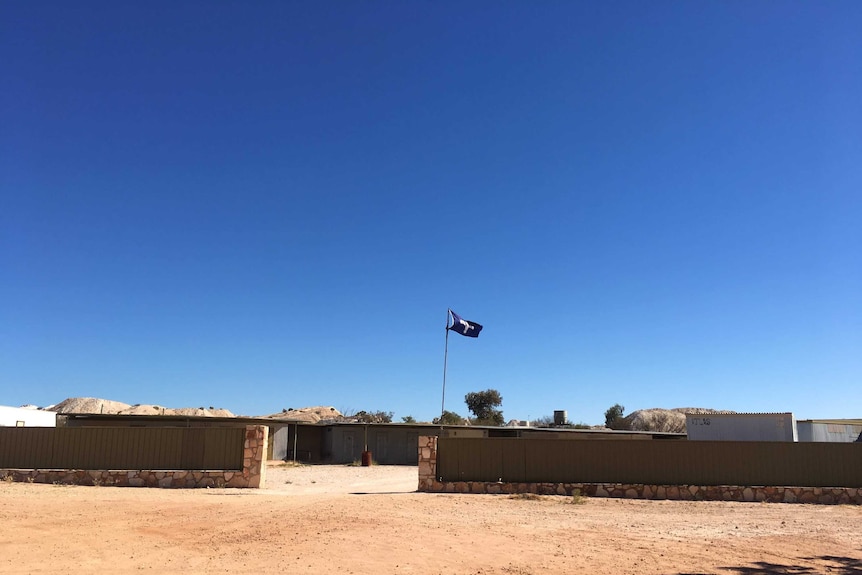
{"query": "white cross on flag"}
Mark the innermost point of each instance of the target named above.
(464, 327)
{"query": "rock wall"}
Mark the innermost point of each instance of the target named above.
(429, 482)
(427, 462)
(253, 474)
(254, 456)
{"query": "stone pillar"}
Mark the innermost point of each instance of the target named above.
(427, 462)
(254, 456)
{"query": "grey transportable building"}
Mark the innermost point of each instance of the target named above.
(741, 427)
(344, 442)
(830, 430)
(389, 443)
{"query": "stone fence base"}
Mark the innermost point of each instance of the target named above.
(125, 478)
(824, 495)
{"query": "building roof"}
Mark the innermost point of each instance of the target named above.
(832, 421)
(184, 420)
(175, 419)
(752, 414)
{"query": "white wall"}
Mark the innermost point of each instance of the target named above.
(834, 432)
(741, 427)
(12, 416)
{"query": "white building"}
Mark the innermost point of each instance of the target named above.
(26, 417)
(741, 427)
(830, 430)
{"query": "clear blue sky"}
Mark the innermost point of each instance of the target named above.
(262, 205)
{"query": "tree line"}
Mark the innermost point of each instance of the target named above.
(485, 408)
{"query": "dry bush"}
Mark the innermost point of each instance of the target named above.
(526, 497)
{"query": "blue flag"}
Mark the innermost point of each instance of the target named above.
(464, 327)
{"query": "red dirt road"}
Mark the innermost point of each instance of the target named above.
(327, 519)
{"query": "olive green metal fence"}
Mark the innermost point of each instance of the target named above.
(519, 460)
(121, 448)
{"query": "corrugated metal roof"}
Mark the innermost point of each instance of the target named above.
(832, 421)
(107, 417)
(738, 414)
(174, 419)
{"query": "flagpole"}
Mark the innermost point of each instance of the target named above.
(445, 360)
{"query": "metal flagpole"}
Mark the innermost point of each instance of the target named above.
(445, 359)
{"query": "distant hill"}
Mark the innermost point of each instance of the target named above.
(106, 406)
(109, 407)
(89, 405)
(309, 414)
(664, 420)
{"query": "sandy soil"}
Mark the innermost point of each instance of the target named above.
(327, 519)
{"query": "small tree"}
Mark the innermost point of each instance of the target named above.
(483, 404)
(449, 418)
(614, 416)
(408, 419)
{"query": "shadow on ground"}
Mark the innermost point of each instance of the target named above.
(383, 492)
(826, 564)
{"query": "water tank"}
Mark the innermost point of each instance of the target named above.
(560, 417)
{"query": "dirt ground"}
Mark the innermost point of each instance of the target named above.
(356, 520)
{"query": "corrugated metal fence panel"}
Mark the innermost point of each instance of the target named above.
(515, 462)
(121, 448)
(193, 447)
(651, 462)
(31, 446)
(220, 445)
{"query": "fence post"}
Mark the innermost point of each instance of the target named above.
(254, 455)
(427, 462)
